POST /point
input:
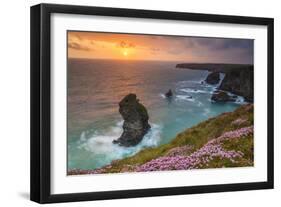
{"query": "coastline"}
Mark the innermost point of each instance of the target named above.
(222, 141)
(238, 79)
(94, 116)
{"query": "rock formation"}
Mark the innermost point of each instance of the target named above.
(240, 82)
(239, 78)
(222, 96)
(135, 124)
(169, 94)
(213, 78)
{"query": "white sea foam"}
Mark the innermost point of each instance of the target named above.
(100, 143)
(240, 100)
(199, 103)
(222, 75)
(184, 97)
(83, 136)
(187, 81)
(188, 90)
(180, 97)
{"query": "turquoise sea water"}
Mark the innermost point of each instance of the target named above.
(96, 86)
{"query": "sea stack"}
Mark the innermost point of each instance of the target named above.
(135, 124)
(169, 94)
(213, 78)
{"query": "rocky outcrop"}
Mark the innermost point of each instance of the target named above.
(240, 82)
(169, 94)
(135, 124)
(213, 78)
(222, 96)
(239, 78)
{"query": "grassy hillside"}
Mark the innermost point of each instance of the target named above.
(222, 141)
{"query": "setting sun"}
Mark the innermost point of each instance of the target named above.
(125, 53)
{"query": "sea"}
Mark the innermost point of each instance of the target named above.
(95, 88)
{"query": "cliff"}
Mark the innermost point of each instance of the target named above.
(239, 78)
(240, 82)
(222, 141)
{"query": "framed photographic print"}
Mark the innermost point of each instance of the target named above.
(132, 103)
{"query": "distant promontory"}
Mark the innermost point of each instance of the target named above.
(238, 79)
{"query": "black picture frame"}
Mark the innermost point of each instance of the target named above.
(40, 184)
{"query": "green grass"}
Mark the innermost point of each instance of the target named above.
(245, 145)
(198, 136)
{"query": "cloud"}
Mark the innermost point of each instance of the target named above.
(155, 49)
(175, 51)
(124, 44)
(77, 46)
(78, 37)
(223, 44)
(219, 49)
(201, 49)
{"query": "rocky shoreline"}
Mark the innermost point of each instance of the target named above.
(219, 142)
(238, 79)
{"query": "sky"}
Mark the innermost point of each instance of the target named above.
(99, 45)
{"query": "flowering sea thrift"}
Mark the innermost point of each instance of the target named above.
(176, 158)
(213, 149)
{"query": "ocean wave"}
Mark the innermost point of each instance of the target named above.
(185, 98)
(179, 97)
(199, 103)
(222, 75)
(188, 90)
(188, 82)
(100, 143)
(239, 99)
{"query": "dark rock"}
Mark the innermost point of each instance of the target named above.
(222, 96)
(213, 78)
(135, 124)
(169, 94)
(240, 82)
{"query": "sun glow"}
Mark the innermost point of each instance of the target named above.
(125, 53)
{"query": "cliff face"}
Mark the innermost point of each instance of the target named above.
(240, 82)
(239, 79)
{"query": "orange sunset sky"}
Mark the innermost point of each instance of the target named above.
(96, 45)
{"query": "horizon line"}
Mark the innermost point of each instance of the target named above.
(156, 60)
